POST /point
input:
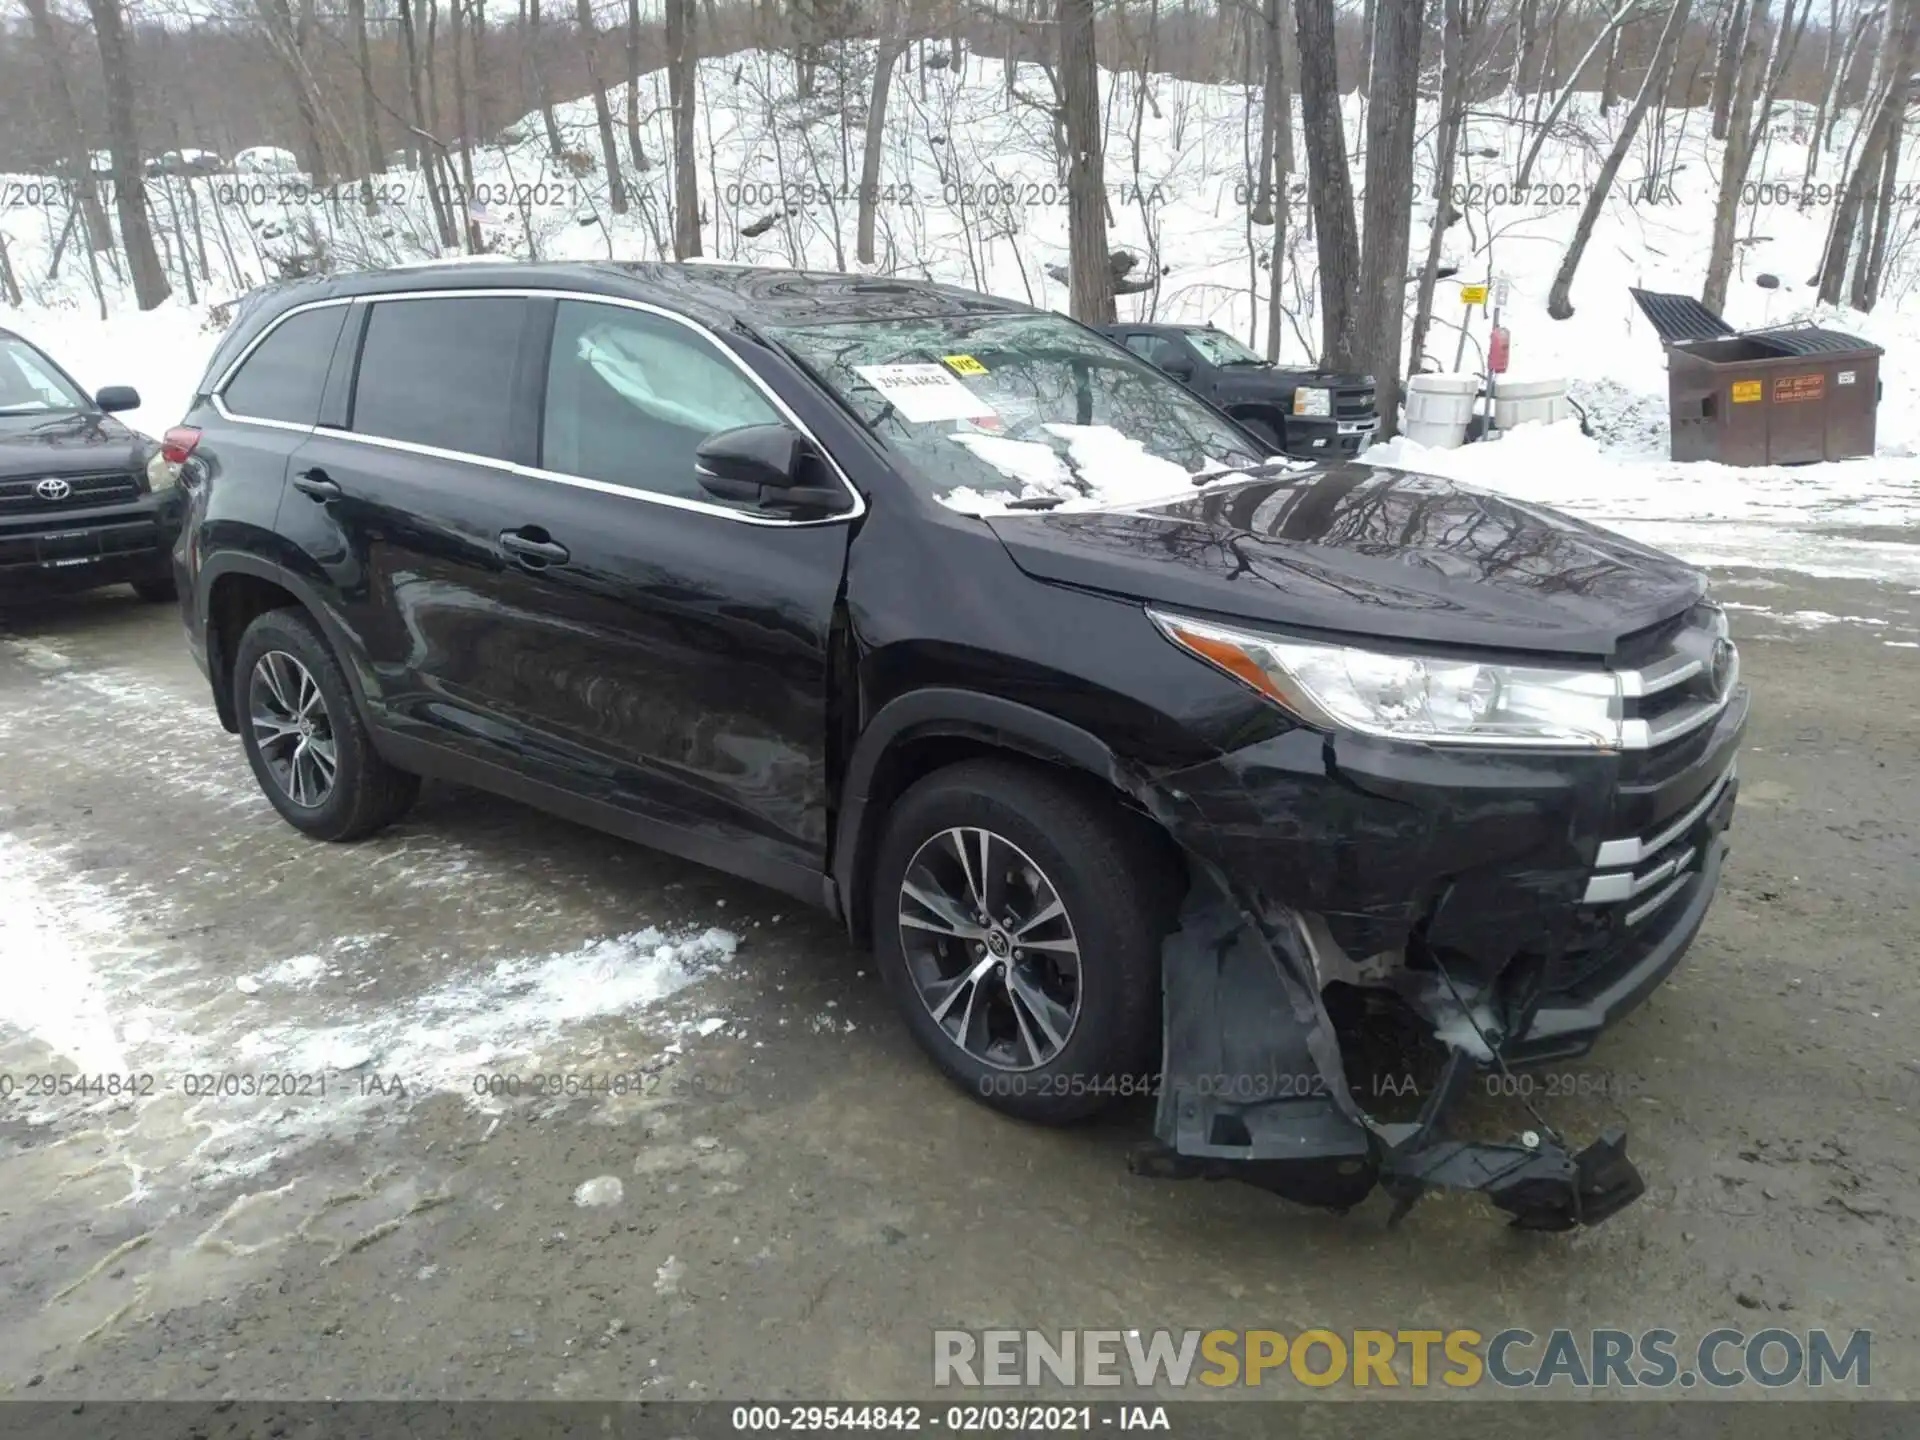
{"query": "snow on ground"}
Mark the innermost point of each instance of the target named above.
(969, 194)
(1805, 518)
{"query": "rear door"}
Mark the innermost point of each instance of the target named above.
(396, 503)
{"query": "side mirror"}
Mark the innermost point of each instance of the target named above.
(1179, 369)
(767, 465)
(118, 397)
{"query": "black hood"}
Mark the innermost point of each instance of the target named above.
(77, 443)
(1359, 551)
(1234, 384)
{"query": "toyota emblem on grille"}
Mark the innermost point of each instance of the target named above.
(1722, 672)
(53, 488)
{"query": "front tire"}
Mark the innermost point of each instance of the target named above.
(1046, 1008)
(1268, 434)
(309, 748)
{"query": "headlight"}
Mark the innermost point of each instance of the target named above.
(1427, 698)
(1309, 400)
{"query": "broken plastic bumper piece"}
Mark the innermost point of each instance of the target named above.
(1254, 1088)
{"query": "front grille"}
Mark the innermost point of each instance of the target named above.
(1678, 767)
(1353, 404)
(21, 495)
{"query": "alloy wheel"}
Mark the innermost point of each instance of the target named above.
(990, 948)
(292, 728)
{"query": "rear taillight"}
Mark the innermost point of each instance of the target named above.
(177, 444)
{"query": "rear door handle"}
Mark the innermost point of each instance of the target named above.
(533, 550)
(317, 484)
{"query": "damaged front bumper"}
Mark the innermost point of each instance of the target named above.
(1464, 888)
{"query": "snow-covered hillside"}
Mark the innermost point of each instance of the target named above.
(969, 193)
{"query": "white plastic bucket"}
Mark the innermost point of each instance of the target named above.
(1517, 402)
(1438, 408)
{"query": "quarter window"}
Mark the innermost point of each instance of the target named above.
(283, 377)
(630, 397)
(440, 372)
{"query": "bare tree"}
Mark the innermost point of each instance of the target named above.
(892, 44)
(1089, 263)
(1388, 207)
(634, 147)
(1621, 14)
(1329, 188)
(1460, 20)
(1276, 107)
(1755, 90)
(1559, 306)
(683, 59)
(1726, 74)
(369, 108)
(150, 287)
(602, 111)
(1854, 221)
(537, 76)
(67, 120)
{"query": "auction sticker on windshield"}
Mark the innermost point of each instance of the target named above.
(963, 364)
(924, 392)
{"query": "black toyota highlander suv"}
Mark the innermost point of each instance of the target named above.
(84, 500)
(1143, 762)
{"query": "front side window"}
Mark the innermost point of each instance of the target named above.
(440, 372)
(630, 398)
(29, 385)
(283, 377)
(1027, 408)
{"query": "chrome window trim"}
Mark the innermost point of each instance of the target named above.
(534, 472)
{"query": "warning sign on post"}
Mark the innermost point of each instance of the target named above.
(1474, 294)
(1746, 392)
(1789, 388)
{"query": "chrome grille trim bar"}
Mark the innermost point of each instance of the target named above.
(1614, 854)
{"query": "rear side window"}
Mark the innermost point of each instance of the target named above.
(440, 372)
(283, 377)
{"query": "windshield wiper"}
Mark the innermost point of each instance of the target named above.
(1034, 502)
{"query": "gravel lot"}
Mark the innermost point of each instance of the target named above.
(801, 1199)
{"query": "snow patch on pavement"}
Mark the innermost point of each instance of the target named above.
(89, 985)
(1799, 518)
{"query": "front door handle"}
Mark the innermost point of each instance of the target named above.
(533, 549)
(317, 484)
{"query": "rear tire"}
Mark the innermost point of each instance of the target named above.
(309, 748)
(157, 591)
(1050, 1017)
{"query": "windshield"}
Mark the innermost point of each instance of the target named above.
(29, 385)
(992, 411)
(1218, 349)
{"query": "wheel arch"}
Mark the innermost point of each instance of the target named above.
(1267, 412)
(928, 729)
(236, 590)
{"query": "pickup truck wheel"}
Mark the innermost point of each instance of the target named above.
(1015, 925)
(1266, 432)
(304, 738)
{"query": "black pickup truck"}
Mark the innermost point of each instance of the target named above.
(1307, 413)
